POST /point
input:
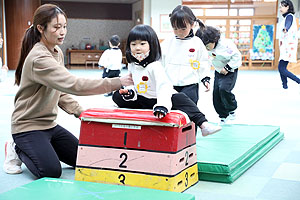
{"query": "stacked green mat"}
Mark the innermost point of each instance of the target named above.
(56, 189)
(226, 155)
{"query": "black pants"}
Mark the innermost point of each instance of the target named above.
(110, 73)
(223, 99)
(191, 91)
(284, 74)
(41, 151)
(179, 102)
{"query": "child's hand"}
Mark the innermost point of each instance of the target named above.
(123, 91)
(127, 94)
(207, 86)
(159, 115)
(160, 112)
(224, 71)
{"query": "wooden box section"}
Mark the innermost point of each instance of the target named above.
(178, 183)
(136, 160)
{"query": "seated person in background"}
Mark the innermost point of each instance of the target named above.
(4, 68)
(111, 59)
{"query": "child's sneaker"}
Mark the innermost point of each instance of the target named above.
(223, 121)
(12, 163)
(232, 115)
(209, 129)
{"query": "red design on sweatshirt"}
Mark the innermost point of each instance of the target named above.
(145, 78)
(192, 50)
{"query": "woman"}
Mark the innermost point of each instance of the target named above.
(44, 84)
(288, 42)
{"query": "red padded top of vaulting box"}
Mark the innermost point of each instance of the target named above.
(174, 117)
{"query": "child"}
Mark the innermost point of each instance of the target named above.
(111, 60)
(288, 42)
(152, 88)
(184, 56)
(226, 59)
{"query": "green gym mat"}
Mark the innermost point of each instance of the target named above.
(226, 155)
(56, 189)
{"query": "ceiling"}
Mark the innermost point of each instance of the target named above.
(103, 1)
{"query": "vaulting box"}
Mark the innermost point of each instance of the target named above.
(136, 129)
(134, 148)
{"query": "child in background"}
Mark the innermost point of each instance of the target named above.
(226, 59)
(4, 68)
(288, 42)
(152, 88)
(184, 56)
(111, 59)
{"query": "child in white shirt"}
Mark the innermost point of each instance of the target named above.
(152, 88)
(226, 58)
(111, 59)
(184, 56)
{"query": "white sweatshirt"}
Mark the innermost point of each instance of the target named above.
(225, 53)
(288, 41)
(152, 82)
(111, 59)
(185, 61)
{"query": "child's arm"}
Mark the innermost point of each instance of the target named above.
(164, 91)
(103, 59)
(204, 71)
(235, 59)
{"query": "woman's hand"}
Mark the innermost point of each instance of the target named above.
(126, 80)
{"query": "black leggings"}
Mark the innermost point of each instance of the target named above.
(179, 102)
(191, 91)
(223, 99)
(41, 151)
(284, 74)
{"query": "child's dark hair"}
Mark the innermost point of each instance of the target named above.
(181, 15)
(42, 16)
(115, 40)
(144, 33)
(288, 3)
(208, 35)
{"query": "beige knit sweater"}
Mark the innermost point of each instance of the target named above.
(45, 85)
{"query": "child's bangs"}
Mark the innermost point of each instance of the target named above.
(139, 34)
(179, 20)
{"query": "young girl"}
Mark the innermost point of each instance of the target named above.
(184, 56)
(152, 88)
(226, 59)
(288, 42)
(44, 85)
